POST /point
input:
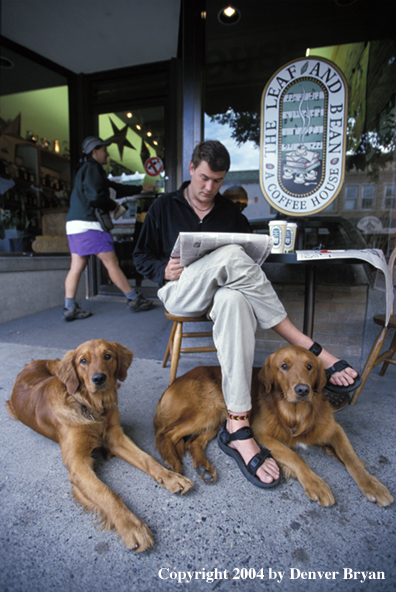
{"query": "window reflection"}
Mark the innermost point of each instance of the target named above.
(369, 183)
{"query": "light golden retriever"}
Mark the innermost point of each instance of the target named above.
(73, 401)
(288, 409)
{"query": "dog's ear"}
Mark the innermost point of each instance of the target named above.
(320, 376)
(66, 372)
(52, 366)
(125, 357)
(265, 375)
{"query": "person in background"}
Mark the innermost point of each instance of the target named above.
(238, 195)
(232, 290)
(85, 234)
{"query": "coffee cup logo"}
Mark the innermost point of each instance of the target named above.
(288, 238)
(277, 236)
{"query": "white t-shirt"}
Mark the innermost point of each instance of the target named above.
(79, 226)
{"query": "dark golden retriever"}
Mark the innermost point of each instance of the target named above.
(73, 401)
(288, 409)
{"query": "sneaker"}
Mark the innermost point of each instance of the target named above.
(139, 304)
(76, 313)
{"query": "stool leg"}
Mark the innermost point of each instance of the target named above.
(168, 351)
(175, 352)
(389, 354)
(373, 355)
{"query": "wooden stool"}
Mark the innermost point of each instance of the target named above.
(174, 349)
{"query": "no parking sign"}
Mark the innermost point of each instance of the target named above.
(154, 166)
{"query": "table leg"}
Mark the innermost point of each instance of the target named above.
(309, 300)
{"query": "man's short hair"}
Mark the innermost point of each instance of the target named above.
(214, 153)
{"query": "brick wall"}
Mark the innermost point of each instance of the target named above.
(340, 314)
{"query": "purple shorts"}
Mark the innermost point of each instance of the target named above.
(90, 242)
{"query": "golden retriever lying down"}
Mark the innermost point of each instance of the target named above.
(73, 401)
(288, 409)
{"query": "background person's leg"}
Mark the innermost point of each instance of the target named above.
(135, 301)
(72, 310)
(77, 266)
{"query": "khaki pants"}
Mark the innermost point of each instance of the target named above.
(235, 294)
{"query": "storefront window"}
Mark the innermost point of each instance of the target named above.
(34, 157)
(233, 97)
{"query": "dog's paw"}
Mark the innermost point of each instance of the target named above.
(174, 465)
(206, 473)
(318, 491)
(376, 492)
(137, 536)
(175, 482)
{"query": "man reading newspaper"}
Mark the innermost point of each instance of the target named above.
(232, 290)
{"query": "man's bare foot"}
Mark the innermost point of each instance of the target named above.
(289, 332)
(269, 470)
(344, 377)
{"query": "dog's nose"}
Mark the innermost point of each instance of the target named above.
(302, 390)
(99, 378)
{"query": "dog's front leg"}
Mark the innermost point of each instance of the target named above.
(95, 496)
(314, 486)
(121, 446)
(367, 483)
(196, 447)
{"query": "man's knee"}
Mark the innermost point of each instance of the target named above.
(233, 300)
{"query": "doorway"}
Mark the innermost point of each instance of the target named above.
(137, 158)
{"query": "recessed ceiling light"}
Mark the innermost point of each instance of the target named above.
(6, 63)
(129, 115)
(229, 15)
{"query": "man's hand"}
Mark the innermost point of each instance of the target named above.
(173, 270)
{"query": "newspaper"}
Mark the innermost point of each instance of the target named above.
(191, 246)
(374, 257)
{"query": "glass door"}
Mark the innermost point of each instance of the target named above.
(137, 158)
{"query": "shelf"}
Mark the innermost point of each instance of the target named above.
(38, 175)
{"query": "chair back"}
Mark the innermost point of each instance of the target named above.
(391, 263)
(391, 267)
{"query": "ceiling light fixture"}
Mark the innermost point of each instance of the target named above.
(5, 63)
(138, 127)
(229, 15)
(129, 115)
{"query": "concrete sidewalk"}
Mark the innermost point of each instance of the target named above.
(229, 536)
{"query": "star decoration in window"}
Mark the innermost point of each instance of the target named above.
(119, 138)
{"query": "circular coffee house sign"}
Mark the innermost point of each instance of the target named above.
(303, 136)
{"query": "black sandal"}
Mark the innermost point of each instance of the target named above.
(249, 471)
(338, 396)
